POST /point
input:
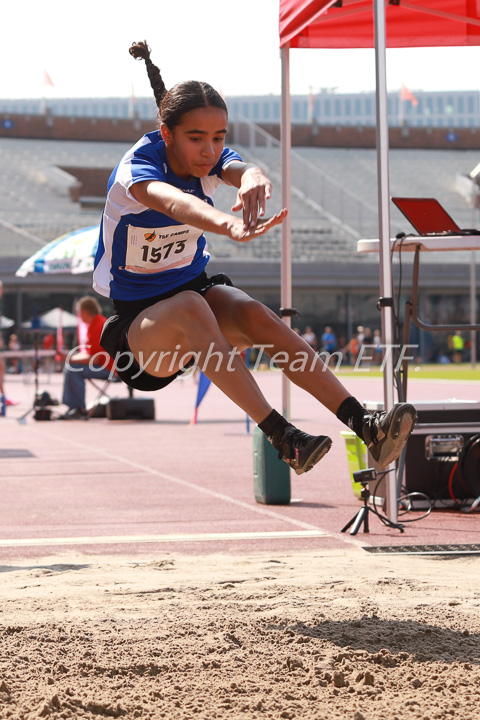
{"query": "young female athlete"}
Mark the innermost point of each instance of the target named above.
(152, 262)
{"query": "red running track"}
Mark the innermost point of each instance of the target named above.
(131, 487)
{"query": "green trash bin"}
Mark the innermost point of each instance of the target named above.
(271, 476)
(356, 457)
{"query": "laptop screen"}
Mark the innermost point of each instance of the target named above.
(426, 215)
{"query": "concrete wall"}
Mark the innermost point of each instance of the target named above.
(116, 130)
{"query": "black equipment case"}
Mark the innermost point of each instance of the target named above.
(442, 458)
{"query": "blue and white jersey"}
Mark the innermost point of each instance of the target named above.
(142, 252)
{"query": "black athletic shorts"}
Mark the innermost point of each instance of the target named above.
(115, 332)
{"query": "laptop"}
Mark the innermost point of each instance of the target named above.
(428, 217)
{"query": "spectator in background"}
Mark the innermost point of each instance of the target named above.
(367, 337)
(341, 341)
(367, 354)
(14, 365)
(83, 365)
(48, 342)
(352, 349)
(310, 337)
(329, 341)
(377, 350)
(458, 346)
(360, 335)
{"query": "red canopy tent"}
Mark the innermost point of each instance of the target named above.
(367, 24)
(418, 23)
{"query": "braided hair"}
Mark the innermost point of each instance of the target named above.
(185, 96)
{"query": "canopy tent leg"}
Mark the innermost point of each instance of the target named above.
(386, 283)
(286, 263)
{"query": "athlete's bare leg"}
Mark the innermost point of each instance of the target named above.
(182, 325)
(246, 322)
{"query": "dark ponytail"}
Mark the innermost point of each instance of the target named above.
(141, 51)
(180, 99)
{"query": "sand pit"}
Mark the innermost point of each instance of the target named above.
(326, 634)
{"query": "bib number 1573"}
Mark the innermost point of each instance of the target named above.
(153, 250)
(155, 254)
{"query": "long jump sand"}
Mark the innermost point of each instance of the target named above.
(327, 634)
(309, 629)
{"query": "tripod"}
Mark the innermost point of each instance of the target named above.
(22, 420)
(41, 402)
(361, 517)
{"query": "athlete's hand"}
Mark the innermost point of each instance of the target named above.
(254, 189)
(239, 233)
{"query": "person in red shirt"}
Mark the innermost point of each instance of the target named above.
(93, 362)
(48, 341)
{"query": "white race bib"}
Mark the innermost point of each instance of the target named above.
(154, 250)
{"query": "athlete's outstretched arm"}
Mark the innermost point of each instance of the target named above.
(191, 210)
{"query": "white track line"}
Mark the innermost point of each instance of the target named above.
(173, 538)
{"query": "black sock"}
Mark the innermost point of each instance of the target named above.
(352, 414)
(274, 426)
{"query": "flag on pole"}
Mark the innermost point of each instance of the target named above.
(59, 348)
(406, 94)
(47, 83)
(47, 80)
(203, 385)
(311, 107)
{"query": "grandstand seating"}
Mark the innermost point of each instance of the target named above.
(35, 196)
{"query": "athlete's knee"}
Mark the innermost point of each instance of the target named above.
(254, 315)
(191, 308)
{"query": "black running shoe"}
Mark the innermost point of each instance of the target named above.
(385, 434)
(300, 450)
(74, 414)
